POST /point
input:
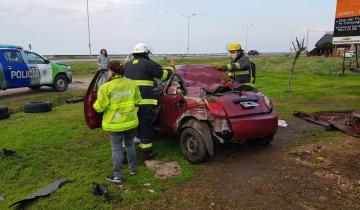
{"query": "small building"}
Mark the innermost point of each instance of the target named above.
(325, 47)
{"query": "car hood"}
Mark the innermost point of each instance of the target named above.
(205, 76)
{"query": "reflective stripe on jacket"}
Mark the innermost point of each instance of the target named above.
(144, 71)
(117, 99)
(241, 70)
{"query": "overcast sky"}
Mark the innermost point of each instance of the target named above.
(60, 26)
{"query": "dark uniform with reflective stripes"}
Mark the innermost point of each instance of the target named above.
(143, 71)
(242, 70)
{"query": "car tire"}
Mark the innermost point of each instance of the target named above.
(4, 113)
(4, 109)
(193, 146)
(263, 142)
(37, 107)
(35, 87)
(61, 83)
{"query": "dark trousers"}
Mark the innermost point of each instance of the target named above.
(146, 116)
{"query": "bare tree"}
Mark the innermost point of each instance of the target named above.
(298, 49)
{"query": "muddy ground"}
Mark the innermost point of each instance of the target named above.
(298, 171)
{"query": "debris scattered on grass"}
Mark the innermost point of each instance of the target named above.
(345, 121)
(41, 193)
(320, 158)
(164, 170)
(147, 185)
(98, 190)
(151, 191)
(8, 152)
(74, 100)
(282, 123)
(2, 198)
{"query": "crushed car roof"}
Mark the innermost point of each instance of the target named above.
(205, 76)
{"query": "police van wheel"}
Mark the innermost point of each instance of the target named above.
(61, 83)
(4, 113)
(35, 87)
(37, 107)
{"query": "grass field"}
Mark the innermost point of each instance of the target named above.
(59, 145)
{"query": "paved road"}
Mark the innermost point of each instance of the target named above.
(77, 84)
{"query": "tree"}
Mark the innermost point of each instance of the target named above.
(298, 49)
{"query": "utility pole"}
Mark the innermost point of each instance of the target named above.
(246, 36)
(88, 21)
(307, 40)
(188, 38)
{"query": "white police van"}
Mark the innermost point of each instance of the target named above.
(21, 68)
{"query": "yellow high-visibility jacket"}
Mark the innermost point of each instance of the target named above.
(117, 99)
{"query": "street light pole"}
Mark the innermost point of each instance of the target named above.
(88, 21)
(188, 38)
(246, 37)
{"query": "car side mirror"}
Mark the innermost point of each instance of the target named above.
(47, 62)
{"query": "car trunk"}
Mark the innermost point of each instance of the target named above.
(243, 104)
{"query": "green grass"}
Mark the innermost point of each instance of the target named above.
(59, 145)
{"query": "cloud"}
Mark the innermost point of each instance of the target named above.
(72, 6)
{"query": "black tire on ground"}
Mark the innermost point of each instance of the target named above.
(262, 142)
(4, 109)
(35, 87)
(37, 107)
(193, 146)
(4, 115)
(61, 83)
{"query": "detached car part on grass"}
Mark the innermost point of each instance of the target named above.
(345, 121)
(37, 107)
(203, 106)
(41, 193)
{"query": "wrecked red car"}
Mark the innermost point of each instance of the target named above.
(203, 106)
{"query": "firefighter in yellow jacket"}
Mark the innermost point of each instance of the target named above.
(118, 99)
(240, 68)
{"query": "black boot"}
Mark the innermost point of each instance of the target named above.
(149, 154)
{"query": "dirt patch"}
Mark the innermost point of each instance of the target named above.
(164, 170)
(317, 175)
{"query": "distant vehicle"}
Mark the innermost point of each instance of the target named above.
(350, 54)
(204, 106)
(253, 53)
(21, 68)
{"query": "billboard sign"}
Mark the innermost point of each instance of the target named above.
(347, 22)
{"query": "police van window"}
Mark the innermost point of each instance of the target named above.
(34, 58)
(13, 57)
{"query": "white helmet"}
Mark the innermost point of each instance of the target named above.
(142, 48)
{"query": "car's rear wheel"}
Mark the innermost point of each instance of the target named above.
(61, 83)
(193, 146)
(263, 142)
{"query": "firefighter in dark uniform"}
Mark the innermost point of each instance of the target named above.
(240, 68)
(143, 71)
